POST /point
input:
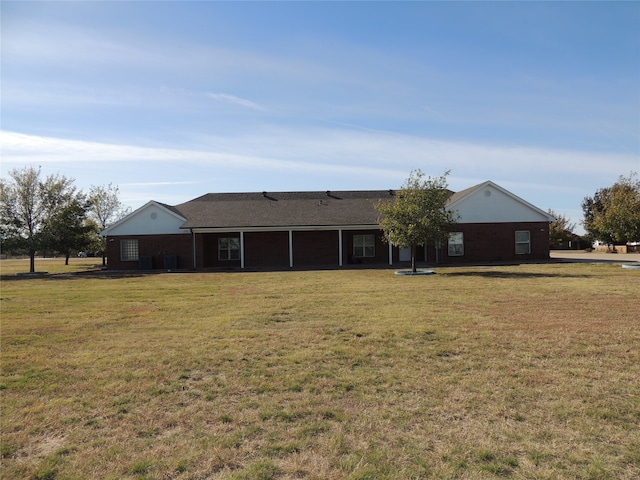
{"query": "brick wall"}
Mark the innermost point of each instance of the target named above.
(486, 242)
(154, 246)
(269, 249)
(315, 248)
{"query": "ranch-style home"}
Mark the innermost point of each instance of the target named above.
(317, 229)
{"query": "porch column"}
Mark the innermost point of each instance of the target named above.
(241, 249)
(390, 254)
(193, 248)
(290, 248)
(340, 248)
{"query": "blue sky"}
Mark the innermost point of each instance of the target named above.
(171, 100)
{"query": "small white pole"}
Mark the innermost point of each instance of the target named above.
(241, 249)
(290, 248)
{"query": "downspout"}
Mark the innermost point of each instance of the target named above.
(340, 247)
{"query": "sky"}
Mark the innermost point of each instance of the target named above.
(170, 100)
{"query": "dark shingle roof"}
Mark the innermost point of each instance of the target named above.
(283, 209)
(455, 196)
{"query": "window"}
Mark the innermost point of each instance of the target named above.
(523, 242)
(364, 245)
(128, 250)
(228, 248)
(456, 244)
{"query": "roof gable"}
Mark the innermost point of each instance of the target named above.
(152, 218)
(490, 203)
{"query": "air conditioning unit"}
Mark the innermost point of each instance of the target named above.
(145, 262)
(170, 262)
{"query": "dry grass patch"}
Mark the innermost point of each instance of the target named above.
(526, 372)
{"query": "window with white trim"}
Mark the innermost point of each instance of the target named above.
(364, 245)
(523, 242)
(228, 248)
(129, 250)
(456, 244)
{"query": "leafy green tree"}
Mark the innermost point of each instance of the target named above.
(96, 242)
(612, 215)
(27, 204)
(560, 230)
(105, 208)
(418, 215)
(67, 231)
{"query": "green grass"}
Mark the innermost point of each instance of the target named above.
(525, 371)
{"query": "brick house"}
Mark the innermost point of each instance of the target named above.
(317, 229)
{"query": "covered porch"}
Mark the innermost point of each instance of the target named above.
(292, 247)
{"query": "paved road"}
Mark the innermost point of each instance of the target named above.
(594, 257)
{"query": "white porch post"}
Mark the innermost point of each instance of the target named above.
(241, 249)
(340, 248)
(290, 248)
(193, 248)
(390, 254)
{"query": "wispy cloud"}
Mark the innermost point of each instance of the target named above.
(74, 48)
(317, 159)
(372, 154)
(19, 149)
(225, 97)
(157, 184)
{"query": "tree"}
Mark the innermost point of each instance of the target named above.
(612, 215)
(27, 204)
(105, 208)
(418, 215)
(560, 230)
(68, 231)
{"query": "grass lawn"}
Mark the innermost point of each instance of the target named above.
(528, 371)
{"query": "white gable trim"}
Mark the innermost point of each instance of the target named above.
(490, 203)
(153, 218)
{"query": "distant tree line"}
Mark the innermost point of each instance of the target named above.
(50, 215)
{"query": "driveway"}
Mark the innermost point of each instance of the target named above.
(594, 257)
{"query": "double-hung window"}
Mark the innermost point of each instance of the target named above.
(523, 242)
(228, 248)
(456, 244)
(129, 250)
(364, 245)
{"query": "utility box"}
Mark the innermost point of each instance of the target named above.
(145, 262)
(170, 262)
